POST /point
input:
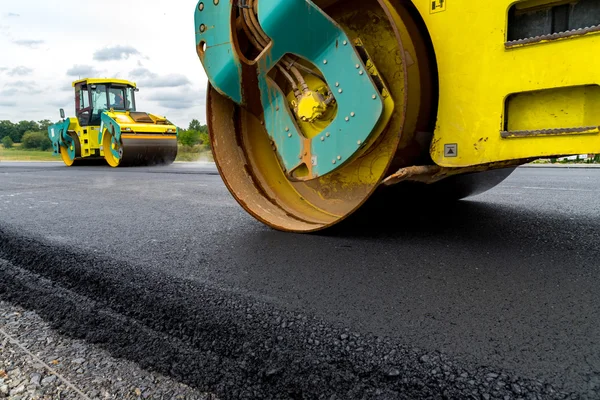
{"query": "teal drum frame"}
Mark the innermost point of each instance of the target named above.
(300, 28)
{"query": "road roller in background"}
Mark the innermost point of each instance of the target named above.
(315, 106)
(108, 127)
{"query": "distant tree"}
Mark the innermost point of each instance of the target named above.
(204, 139)
(194, 125)
(7, 128)
(26, 126)
(36, 140)
(44, 125)
(7, 142)
(189, 137)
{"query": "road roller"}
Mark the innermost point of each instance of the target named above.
(315, 106)
(108, 127)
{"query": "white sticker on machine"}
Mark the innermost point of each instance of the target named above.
(451, 150)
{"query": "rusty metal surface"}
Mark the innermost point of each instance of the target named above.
(553, 36)
(532, 21)
(430, 174)
(420, 173)
(586, 130)
(251, 170)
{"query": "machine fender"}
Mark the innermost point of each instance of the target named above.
(360, 103)
(58, 135)
(108, 123)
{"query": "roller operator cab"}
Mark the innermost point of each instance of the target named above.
(315, 106)
(107, 126)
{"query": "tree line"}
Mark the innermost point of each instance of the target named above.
(34, 135)
(16, 130)
(196, 134)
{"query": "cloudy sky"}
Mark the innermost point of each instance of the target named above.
(45, 45)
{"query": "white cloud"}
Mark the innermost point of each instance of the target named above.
(33, 44)
(52, 41)
(82, 71)
(179, 99)
(150, 79)
(140, 72)
(115, 53)
(20, 71)
(20, 87)
(65, 102)
(7, 103)
(167, 81)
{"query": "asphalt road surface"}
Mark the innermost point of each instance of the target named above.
(494, 297)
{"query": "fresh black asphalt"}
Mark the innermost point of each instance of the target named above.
(493, 297)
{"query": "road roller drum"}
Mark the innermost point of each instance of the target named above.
(315, 106)
(107, 128)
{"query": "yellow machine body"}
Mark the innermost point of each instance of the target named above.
(120, 135)
(501, 100)
(468, 91)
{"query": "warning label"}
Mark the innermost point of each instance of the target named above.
(437, 6)
(451, 150)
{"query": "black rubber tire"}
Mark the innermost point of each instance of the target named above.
(422, 196)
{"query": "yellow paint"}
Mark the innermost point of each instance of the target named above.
(311, 106)
(99, 81)
(64, 155)
(477, 73)
(533, 4)
(311, 128)
(389, 107)
(554, 109)
(437, 6)
(93, 145)
(149, 137)
(108, 155)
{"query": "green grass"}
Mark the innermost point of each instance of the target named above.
(193, 153)
(19, 154)
(194, 157)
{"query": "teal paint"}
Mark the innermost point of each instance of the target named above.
(58, 135)
(220, 62)
(300, 28)
(113, 127)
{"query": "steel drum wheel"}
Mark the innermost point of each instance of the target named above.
(251, 170)
(111, 158)
(70, 154)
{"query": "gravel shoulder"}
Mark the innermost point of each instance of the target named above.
(38, 363)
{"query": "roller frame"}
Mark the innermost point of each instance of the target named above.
(149, 142)
(464, 116)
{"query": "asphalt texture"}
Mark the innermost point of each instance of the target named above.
(493, 297)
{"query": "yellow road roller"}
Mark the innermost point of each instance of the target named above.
(108, 127)
(315, 106)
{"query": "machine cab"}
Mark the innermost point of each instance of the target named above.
(94, 96)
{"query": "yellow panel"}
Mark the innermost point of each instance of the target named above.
(98, 81)
(562, 108)
(477, 72)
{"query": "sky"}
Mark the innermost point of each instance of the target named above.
(46, 45)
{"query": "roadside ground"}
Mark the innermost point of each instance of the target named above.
(38, 363)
